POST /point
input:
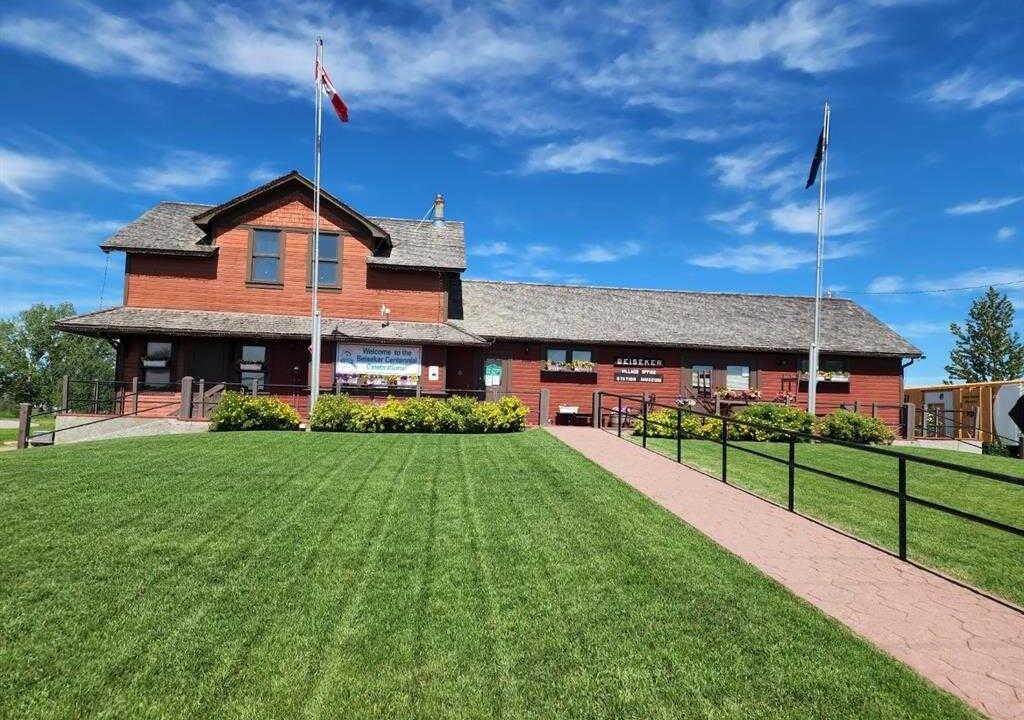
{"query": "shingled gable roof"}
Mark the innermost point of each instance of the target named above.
(174, 228)
(699, 320)
(207, 216)
(206, 323)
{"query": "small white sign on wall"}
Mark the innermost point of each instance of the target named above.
(433, 372)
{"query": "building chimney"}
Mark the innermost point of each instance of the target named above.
(439, 208)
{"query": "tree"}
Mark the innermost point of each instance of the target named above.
(986, 347)
(34, 356)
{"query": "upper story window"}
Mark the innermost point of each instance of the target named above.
(330, 256)
(265, 256)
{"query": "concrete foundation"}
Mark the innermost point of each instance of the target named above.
(79, 428)
(967, 446)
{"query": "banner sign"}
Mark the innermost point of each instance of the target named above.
(638, 362)
(642, 375)
(385, 360)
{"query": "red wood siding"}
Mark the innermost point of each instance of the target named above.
(873, 380)
(220, 282)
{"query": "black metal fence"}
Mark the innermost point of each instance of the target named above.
(631, 408)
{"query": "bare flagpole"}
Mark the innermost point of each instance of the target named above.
(314, 369)
(812, 364)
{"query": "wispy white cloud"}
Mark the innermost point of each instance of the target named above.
(262, 173)
(739, 220)
(97, 41)
(754, 258)
(886, 284)
(921, 328)
(602, 253)
(1006, 233)
(603, 154)
(31, 239)
(757, 168)
(984, 205)
(973, 89)
(804, 35)
(845, 215)
(182, 169)
(965, 281)
(490, 249)
(23, 174)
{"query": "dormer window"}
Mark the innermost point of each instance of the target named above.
(265, 257)
(330, 255)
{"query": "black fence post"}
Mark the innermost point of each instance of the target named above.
(792, 474)
(679, 435)
(618, 421)
(645, 420)
(725, 450)
(903, 508)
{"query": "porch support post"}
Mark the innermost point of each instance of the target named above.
(24, 415)
(595, 419)
(202, 398)
(65, 392)
(909, 414)
(135, 395)
(186, 398)
(544, 409)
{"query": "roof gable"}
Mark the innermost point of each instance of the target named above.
(285, 183)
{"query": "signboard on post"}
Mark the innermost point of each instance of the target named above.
(377, 364)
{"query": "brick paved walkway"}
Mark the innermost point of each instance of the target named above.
(963, 642)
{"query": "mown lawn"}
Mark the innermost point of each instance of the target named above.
(988, 558)
(286, 575)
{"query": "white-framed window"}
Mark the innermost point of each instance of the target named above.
(253, 365)
(737, 377)
(702, 375)
(156, 364)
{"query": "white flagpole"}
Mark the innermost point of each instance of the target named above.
(812, 364)
(314, 370)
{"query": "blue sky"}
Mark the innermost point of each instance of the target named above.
(622, 143)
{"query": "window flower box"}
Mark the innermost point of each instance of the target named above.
(154, 362)
(572, 366)
(834, 376)
(250, 367)
(727, 394)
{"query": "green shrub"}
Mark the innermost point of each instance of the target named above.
(237, 411)
(340, 413)
(854, 427)
(784, 417)
(662, 424)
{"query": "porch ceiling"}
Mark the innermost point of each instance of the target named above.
(202, 323)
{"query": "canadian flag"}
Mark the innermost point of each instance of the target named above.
(340, 108)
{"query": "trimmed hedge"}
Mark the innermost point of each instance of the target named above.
(662, 424)
(854, 427)
(340, 413)
(786, 417)
(237, 411)
(840, 425)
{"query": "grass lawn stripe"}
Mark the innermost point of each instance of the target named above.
(129, 673)
(414, 576)
(347, 680)
(982, 556)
